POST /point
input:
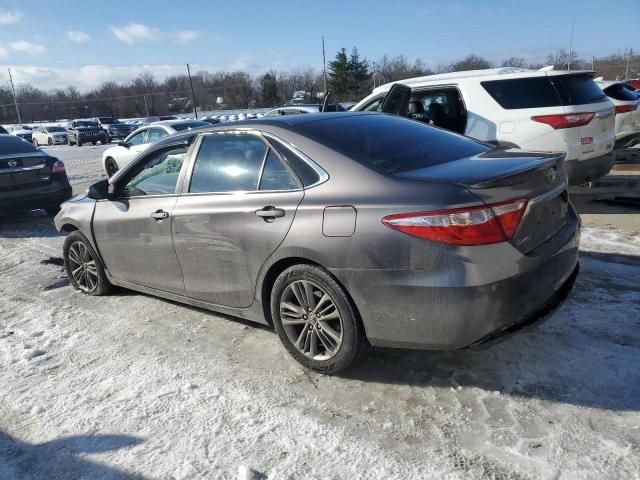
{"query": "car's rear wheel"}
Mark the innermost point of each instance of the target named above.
(316, 321)
(111, 167)
(83, 266)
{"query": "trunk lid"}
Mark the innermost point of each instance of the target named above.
(24, 170)
(503, 175)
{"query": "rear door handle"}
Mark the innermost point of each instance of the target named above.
(160, 215)
(270, 213)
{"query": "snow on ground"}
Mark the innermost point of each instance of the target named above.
(129, 386)
(83, 163)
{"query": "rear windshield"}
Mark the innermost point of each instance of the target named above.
(10, 144)
(390, 143)
(540, 92)
(618, 91)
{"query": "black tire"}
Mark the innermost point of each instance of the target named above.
(35, 142)
(102, 285)
(105, 140)
(78, 142)
(52, 211)
(110, 166)
(50, 141)
(354, 344)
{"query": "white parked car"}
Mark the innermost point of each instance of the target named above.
(49, 136)
(626, 102)
(114, 158)
(537, 110)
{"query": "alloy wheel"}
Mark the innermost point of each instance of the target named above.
(311, 320)
(83, 267)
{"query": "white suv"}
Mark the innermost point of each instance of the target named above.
(539, 110)
(626, 101)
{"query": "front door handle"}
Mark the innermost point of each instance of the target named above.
(160, 215)
(270, 213)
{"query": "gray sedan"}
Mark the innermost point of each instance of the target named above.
(341, 230)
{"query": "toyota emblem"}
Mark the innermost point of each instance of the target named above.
(552, 174)
(12, 163)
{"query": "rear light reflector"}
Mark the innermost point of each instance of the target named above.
(569, 120)
(58, 167)
(479, 225)
(625, 108)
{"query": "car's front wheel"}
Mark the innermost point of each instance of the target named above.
(83, 266)
(316, 321)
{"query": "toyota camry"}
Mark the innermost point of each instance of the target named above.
(341, 230)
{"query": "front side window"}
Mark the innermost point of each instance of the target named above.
(228, 163)
(137, 139)
(157, 174)
(374, 106)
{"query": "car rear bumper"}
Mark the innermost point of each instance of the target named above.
(461, 303)
(41, 196)
(581, 171)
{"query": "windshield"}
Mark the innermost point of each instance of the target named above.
(86, 124)
(189, 125)
(55, 129)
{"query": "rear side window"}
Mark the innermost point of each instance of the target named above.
(390, 143)
(534, 92)
(11, 144)
(304, 171)
(618, 91)
(577, 89)
(540, 92)
(228, 163)
(276, 175)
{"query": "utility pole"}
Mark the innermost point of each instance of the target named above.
(570, 48)
(193, 95)
(324, 68)
(628, 66)
(593, 63)
(15, 99)
(146, 107)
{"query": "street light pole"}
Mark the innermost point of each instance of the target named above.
(15, 99)
(193, 95)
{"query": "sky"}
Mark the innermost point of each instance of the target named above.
(51, 44)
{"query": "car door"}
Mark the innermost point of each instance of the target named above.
(396, 102)
(133, 228)
(234, 212)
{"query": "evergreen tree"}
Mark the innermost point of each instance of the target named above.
(339, 75)
(269, 86)
(359, 72)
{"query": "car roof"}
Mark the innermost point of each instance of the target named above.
(170, 123)
(485, 74)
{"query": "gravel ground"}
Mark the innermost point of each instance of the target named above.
(129, 386)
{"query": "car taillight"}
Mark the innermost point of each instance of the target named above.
(568, 120)
(625, 108)
(479, 225)
(58, 167)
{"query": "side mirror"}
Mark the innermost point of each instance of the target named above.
(99, 191)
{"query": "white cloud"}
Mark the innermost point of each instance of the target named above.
(185, 36)
(136, 32)
(78, 37)
(27, 47)
(4, 53)
(92, 76)
(7, 17)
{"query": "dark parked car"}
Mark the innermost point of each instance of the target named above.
(341, 230)
(29, 178)
(114, 128)
(23, 131)
(85, 131)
